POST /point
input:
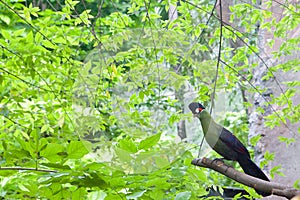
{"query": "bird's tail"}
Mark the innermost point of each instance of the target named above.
(252, 169)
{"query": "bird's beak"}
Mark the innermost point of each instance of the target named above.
(195, 115)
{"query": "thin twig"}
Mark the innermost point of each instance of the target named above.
(202, 32)
(27, 169)
(219, 57)
(259, 57)
(211, 14)
(273, 109)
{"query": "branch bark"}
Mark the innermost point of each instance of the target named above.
(270, 187)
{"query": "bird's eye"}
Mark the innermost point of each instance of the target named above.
(197, 110)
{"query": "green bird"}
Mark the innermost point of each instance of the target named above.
(226, 144)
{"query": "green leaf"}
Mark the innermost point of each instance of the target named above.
(161, 161)
(269, 156)
(45, 128)
(199, 174)
(29, 38)
(19, 32)
(5, 34)
(91, 180)
(123, 155)
(61, 121)
(100, 195)
(48, 44)
(136, 195)
(296, 184)
(287, 141)
(276, 170)
(183, 195)
(51, 152)
(60, 40)
(79, 193)
(255, 139)
(77, 149)
(156, 193)
(128, 145)
(17, 154)
(38, 38)
(23, 188)
(5, 19)
(158, 182)
(174, 118)
(150, 141)
(251, 191)
(154, 16)
(117, 182)
(56, 166)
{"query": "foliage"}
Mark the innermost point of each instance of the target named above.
(87, 95)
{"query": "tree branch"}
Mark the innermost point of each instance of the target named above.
(265, 186)
(28, 169)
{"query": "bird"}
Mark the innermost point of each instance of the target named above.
(226, 144)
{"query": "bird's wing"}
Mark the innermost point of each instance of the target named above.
(230, 140)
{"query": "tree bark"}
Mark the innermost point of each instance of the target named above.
(286, 156)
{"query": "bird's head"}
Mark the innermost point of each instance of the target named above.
(196, 108)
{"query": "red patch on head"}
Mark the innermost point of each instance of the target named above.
(198, 110)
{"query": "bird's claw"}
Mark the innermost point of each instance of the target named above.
(218, 159)
(221, 160)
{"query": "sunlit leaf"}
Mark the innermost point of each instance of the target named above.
(150, 141)
(77, 149)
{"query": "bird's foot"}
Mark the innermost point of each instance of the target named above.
(221, 160)
(218, 159)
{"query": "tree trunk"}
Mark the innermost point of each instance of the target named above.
(285, 156)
